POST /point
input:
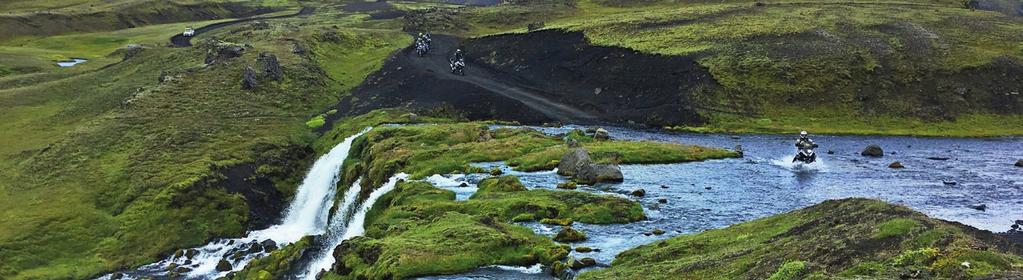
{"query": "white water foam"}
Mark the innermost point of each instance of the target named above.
(306, 215)
(344, 227)
(796, 166)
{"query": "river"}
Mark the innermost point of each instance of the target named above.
(696, 196)
(718, 193)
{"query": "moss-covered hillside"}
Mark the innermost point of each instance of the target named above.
(148, 149)
(844, 239)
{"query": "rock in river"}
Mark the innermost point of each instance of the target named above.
(980, 206)
(1019, 163)
(601, 134)
(224, 265)
(578, 164)
(572, 161)
(639, 192)
(596, 173)
(872, 151)
(569, 234)
(896, 165)
(578, 264)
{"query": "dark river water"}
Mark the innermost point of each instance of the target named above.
(718, 193)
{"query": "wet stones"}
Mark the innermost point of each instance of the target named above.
(597, 173)
(657, 231)
(578, 264)
(601, 135)
(268, 245)
(1019, 163)
(979, 207)
(896, 165)
(872, 150)
(224, 265)
(569, 234)
(574, 160)
(578, 164)
(662, 200)
(583, 249)
(638, 193)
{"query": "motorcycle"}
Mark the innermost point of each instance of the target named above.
(422, 49)
(806, 154)
(458, 67)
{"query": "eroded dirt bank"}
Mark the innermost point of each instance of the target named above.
(539, 77)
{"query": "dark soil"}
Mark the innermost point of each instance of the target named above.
(538, 77)
(617, 84)
(426, 84)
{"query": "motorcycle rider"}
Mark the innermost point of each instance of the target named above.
(805, 141)
(458, 56)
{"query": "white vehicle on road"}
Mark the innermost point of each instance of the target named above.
(188, 32)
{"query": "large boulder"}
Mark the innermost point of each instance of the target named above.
(271, 67)
(872, 150)
(599, 173)
(250, 80)
(224, 265)
(601, 134)
(574, 160)
(218, 51)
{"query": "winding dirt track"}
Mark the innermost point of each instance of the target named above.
(437, 61)
(180, 40)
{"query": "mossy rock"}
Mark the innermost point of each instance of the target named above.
(569, 234)
(554, 221)
(500, 184)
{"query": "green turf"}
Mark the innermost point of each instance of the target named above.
(843, 239)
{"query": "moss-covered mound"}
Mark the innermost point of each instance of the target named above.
(427, 149)
(501, 184)
(849, 238)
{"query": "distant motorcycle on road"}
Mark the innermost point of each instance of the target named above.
(458, 67)
(422, 48)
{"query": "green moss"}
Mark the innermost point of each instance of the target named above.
(315, 122)
(789, 270)
(896, 228)
(277, 264)
(499, 184)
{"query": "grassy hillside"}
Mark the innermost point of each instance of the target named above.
(112, 163)
(845, 239)
(886, 67)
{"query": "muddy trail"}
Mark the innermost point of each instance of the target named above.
(426, 83)
(181, 40)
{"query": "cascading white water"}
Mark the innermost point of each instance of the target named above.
(306, 215)
(352, 224)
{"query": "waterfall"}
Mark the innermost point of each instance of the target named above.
(351, 224)
(306, 215)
